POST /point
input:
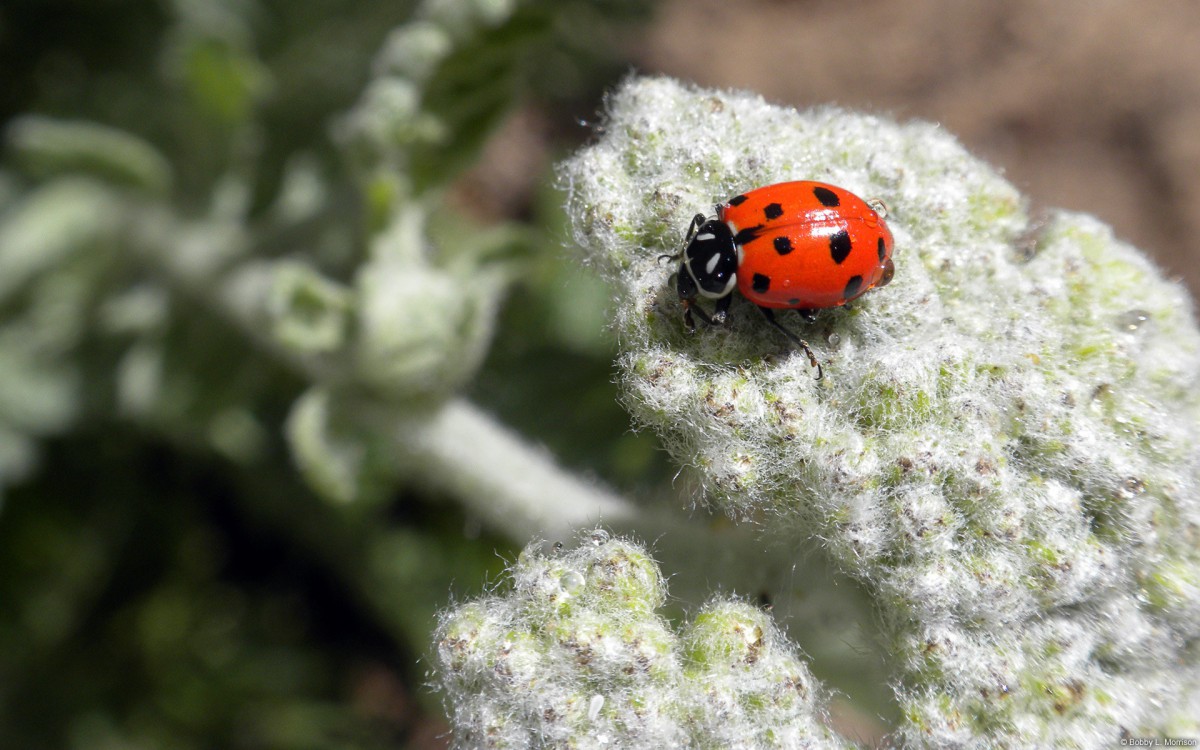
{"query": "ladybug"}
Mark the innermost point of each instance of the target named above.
(801, 245)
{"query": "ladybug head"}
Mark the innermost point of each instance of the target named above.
(709, 264)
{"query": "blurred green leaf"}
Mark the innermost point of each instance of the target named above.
(46, 147)
(472, 91)
(224, 83)
(49, 224)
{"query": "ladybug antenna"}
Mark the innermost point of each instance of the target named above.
(697, 222)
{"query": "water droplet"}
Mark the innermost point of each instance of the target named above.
(599, 537)
(1132, 320)
(571, 581)
(833, 339)
(558, 547)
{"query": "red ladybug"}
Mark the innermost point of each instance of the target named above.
(799, 245)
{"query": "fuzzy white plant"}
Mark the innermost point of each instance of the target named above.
(577, 656)
(1005, 448)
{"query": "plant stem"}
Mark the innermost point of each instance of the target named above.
(511, 485)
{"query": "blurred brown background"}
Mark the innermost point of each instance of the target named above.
(1090, 105)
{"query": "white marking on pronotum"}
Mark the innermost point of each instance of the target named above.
(712, 263)
(595, 706)
(718, 295)
(706, 236)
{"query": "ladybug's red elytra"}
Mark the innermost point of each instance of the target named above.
(796, 245)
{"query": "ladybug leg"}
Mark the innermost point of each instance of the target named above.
(688, 321)
(810, 316)
(721, 310)
(769, 314)
(689, 307)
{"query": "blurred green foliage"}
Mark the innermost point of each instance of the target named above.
(167, 578)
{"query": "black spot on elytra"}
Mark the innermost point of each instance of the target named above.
(762, 283)
(783, 245)
(828, 198)
(794, 301)
(737, 200)
(882, 249)
(839, 246)
(852, 287)
(749, 234)
(773, 211)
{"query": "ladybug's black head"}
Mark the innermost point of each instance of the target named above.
(709, 264)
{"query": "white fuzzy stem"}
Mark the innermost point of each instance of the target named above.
(511, 485)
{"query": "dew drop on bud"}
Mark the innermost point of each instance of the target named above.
(1132, 320)
(571, 581)
(833, 339)
(599, 537)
